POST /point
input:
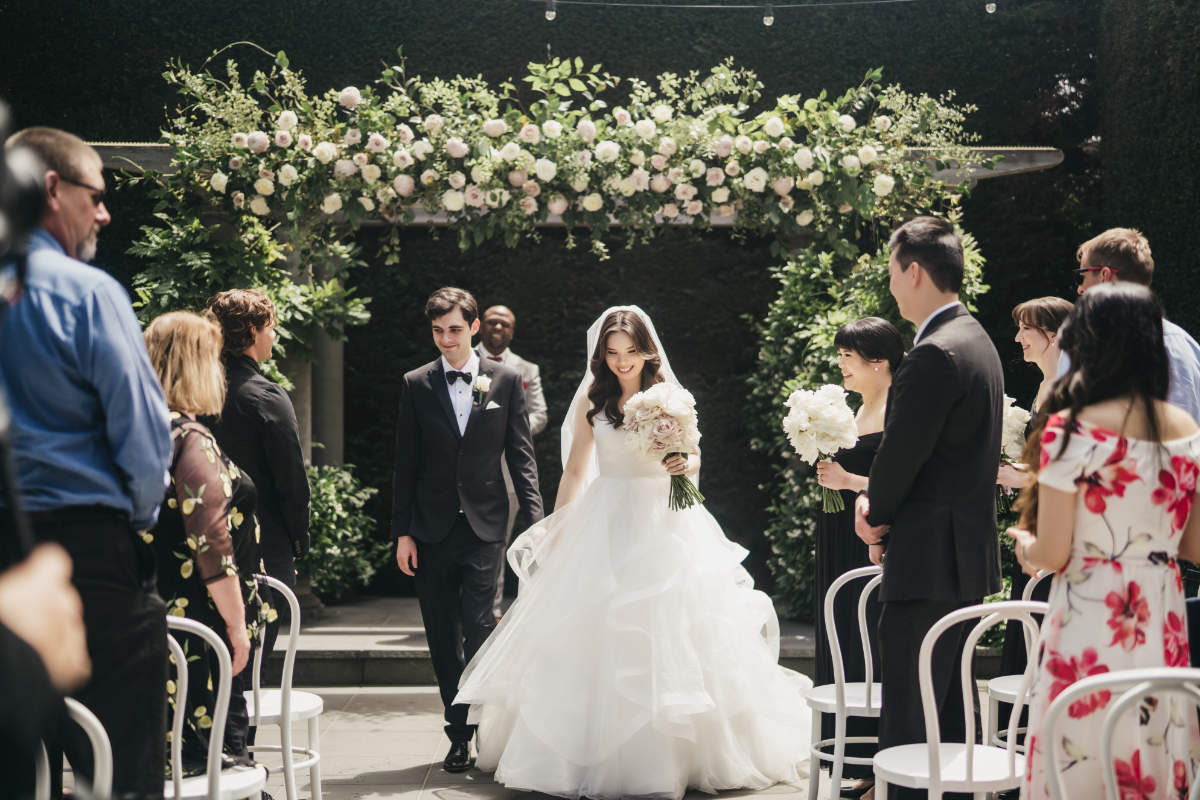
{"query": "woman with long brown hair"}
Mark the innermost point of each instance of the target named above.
(637, 660)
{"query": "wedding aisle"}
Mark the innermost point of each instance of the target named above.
(386, 742)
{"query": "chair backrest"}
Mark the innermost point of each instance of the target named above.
(102, 758)
(987, 614)
(1031, 586)
(289, 658)
(181, 689)
(216, 734)
(835, 648)
(1137, 683)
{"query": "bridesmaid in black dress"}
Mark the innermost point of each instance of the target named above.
(869, 350)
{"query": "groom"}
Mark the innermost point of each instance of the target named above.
(931, 497)
(458, 417)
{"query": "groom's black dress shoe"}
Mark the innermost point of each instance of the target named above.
(459, 758)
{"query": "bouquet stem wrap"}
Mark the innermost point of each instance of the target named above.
(684, 493)
(831, 500)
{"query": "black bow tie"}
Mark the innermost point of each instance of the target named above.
(452, 376)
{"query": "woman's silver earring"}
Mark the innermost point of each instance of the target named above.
(876, 369)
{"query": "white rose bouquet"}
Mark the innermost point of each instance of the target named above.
(1012, 446)
(818, 424)
(659, 423)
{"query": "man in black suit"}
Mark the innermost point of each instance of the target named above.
(459, 416)
(929, 511)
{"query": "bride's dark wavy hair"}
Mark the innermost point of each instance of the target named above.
(605, 391)
(1114, 338)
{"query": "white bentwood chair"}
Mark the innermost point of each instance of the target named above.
(1137, 683)
(842, 699)
(231, 783)
(1004, 689)
(938, 766)
(284, 705)
(102, 758)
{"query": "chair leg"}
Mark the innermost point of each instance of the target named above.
(814, 761)
(881, 788)
(839, 754)
(993, 721)
(289, 772)
(314, 744)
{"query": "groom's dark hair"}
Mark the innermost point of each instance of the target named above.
(935, 245)
(444, 300)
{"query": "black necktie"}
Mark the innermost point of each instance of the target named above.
(452, 376)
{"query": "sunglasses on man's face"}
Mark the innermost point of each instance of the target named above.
(97, 195)
(1083, 271)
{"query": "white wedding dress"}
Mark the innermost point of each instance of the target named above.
(638, 660)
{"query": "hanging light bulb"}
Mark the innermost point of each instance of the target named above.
(551, 13)
(768, 15)
(990, 8)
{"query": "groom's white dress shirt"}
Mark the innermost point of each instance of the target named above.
(460, 392)
(936, 311)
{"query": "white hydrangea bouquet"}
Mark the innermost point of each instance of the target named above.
(1012, 447)
(660, 422)
(818, 424)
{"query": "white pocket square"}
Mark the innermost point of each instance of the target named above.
(491, 404)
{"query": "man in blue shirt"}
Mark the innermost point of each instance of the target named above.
(1123, 254)
(92, 444)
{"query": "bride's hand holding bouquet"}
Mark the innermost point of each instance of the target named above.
(660, 423)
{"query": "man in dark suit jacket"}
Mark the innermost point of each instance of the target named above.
(930, 503)
(459, 416)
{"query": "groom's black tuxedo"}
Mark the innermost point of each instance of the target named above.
(933, 480)
(440, 471)
(449, 496)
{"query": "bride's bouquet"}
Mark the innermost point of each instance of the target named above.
(1012, 447)
(660, 422)
(818, 424)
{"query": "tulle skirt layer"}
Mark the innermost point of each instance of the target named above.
(637, 661)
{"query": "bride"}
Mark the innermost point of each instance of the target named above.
(637, 660)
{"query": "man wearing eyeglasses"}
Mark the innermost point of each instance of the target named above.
(92, 443)
(1123, 254)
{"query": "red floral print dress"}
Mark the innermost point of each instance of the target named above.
(1117, 604)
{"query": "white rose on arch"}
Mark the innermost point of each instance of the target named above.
(452, 200)
(552, 128)
(586, 130)
(405, 133)
(344, 168)
(786, 144)
(579, 183)
(661, 113)
(803, 158)
(640, 179)
(429, 177)
(325, 152)
(495, 127)
(283, 138)
(286, 120)
(658, 161)
(404, 185)
(264, 186)
(714, 176)
(846, 123)
(332, 203)
(353, 136)
(517, 178)
(545, 169)
(288, 175)
(851, 164)
(804, 218)
(743, 144)
(473, 196)
(783, 186)
(421, 148)
(756, 179)
(667, 146)
(685, 192)
(723, 145)
(607, 151)
(529, 206)
(376, 143)
(433, 123)
(659, 183)
(883, 123)
(883, 185)
(456, 147)
(720, 194)
(592, 202)
(371, 173)
(239, 140)
(867, 154)
(401, 158)
(258, 142)
(360, 159)
(816, 178)
(218, 182)
(511, 151)
(350, 98)
(530, 134)
(693, 207)
(557, 204)
(621, 117)
(773, 127)
(761, 146)
(695, 168)
(304, 141)
(531, 188)
(645, 128)
(366, 202)
(258, 204)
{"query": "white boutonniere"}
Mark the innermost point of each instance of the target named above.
(483, 385)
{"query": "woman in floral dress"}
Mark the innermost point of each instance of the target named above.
(1113, 510)
(206, 540)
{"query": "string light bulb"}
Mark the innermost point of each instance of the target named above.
(551, 12)
(990, 8)
(768, 15)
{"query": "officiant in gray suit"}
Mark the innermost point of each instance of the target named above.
(496, 335)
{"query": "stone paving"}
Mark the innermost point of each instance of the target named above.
(387, 742)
